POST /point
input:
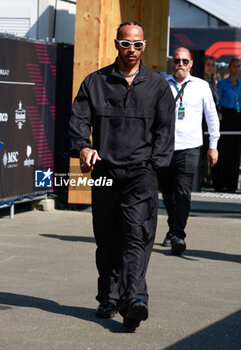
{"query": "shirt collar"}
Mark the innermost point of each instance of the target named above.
(238, 81)
(188, 78)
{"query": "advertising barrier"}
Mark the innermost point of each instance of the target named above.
(27, 117)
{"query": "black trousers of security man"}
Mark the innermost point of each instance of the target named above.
(124, 222)
(175, 183)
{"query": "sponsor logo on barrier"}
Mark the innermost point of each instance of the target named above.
(4, 71)
(28, 162)
(10, 159)
(43, 178)
(20, 115)
(3, 117)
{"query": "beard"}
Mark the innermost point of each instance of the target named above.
(180, 73)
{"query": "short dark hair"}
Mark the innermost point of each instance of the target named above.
(233, 60)
(128, 24)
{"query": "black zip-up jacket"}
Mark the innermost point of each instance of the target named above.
(131, 124)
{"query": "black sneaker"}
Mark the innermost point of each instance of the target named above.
(167, 240)
(178, 246)
(130, 325)
(138, 311)
(106, 310)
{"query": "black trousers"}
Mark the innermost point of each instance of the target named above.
(226, 171)
(175, 183)
(124, 223)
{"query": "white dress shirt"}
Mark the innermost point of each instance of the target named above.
(197, 99)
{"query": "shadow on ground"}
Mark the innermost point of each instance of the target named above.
(189, 254)
(224, 334)
(70, 238)
(203, 254)
(84, 313)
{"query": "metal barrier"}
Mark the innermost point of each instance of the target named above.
(11, 204)
(226, 133)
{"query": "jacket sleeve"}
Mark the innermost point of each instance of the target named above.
(80, 122)
(163, 130)
(211, 117)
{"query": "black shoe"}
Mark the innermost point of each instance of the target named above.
(178, 246)
(106, 310)
(138, 311)
(167, 240)
(129, 324)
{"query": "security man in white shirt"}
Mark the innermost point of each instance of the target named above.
(193, 98)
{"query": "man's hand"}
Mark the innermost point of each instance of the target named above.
(212, 156)
(86, 155)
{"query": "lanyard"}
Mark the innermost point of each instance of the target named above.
(237, 99)
(181, 93)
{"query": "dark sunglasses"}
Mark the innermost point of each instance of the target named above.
(126, 44)
(178, 60)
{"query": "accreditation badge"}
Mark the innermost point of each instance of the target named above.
(181, 112)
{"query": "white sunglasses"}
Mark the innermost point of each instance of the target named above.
(126, 44)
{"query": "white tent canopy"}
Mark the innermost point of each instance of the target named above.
(227, 11)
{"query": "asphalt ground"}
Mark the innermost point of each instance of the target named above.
(48, 286)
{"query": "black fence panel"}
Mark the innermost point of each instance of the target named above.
(27, 117)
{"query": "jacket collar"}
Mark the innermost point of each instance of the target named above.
(141, 76)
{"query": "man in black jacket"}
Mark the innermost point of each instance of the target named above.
(131, 110)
